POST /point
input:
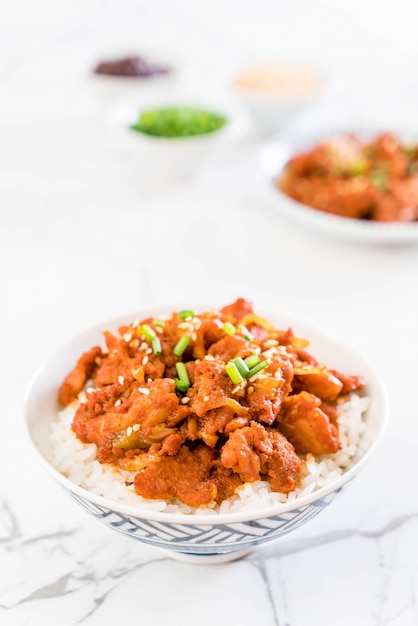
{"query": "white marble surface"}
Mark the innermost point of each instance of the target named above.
(87, 233)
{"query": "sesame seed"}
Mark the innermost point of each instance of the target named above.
(158, 329)
(268, 354)
(184, 325)
(127, 337)
(148, 351)
(206, 399)
(185, 400)
(118, 403)
(197, 323)
(250, 389)
(135, 323)
(98, 360)
(121, 380)
(135, 427)
(144, 390)
(149, 380)
(194, 336)
(143, 346)
(144, 360)
(129, 431)
(209, 357)
(235, 389)
(90, 390)
(270, 343)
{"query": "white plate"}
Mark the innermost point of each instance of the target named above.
(273, 159)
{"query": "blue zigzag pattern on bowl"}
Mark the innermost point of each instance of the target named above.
(208, 538)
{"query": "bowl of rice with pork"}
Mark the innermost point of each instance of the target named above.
(205, 432)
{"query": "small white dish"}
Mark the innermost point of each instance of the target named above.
(110, 86)
(273, 158)
(276, 92)
(179, 155)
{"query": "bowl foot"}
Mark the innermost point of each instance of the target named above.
(205, 559)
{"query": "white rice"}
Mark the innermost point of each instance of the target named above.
(77, 461)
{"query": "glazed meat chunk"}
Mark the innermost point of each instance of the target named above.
(307, 426)
(213, 388)
(150, 411)
(265, 394)
(319, 382)
(77, 378)
(255, 451)
(186, 476)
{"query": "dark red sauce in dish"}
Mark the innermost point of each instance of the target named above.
(131, 66)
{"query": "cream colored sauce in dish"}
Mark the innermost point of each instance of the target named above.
(276, 79)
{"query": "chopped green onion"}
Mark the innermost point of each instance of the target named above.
(379, 179)
(147, 332)
(181, 386)
(242, 329)
(156, 345)
(185, 313)
(178, 121)
(252, 360)
(241, 366)
(159, 323)
(181, 345)
(229, 328)
(182, 374)
(257, 368)
(233, 372)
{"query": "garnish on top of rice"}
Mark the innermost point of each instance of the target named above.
(196, 407)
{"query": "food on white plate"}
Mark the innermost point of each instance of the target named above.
(374, 180)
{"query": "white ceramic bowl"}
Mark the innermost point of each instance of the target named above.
(108, 86)
(203, 538)
(273, 158)
(281, 93)
(183, 155)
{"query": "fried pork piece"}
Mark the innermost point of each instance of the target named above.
(387, 154)
(210, 331)
(126, 359)
(213, 388)
(326, 384)
(401, 204)
(350, 383)
(307, 426)
(236, 311)
(156, 413)
(318, 381)
(186, 476)
(77, 378)
(255, 452)
(266, 393)
(354, 198)
(196, 477)
(212, 400)
(228, 347)
(339, 154)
